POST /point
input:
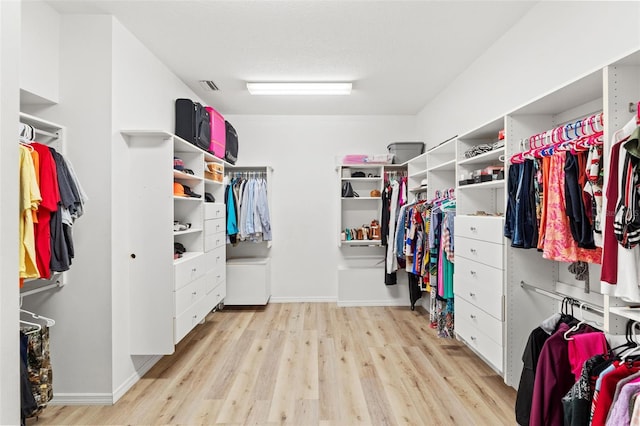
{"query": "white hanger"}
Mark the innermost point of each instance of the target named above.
(577, 326)
(632, 351)
(38, 326)
(50, 322)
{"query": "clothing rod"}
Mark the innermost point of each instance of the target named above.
(45, 133)
(560, 298)
(41, 289)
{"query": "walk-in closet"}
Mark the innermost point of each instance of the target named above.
(319, 213)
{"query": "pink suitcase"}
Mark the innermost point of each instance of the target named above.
(218, 133)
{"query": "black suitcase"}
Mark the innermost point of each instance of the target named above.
(193, 123)
(231, 147)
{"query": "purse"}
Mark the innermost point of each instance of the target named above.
(347, 190)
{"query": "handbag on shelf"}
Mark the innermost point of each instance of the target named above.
(347, 190)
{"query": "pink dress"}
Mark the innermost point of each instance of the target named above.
(558, 243)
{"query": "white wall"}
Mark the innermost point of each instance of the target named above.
(144, 93)
(556, 42)
(40, 64)
(305, 197)
(9, 103)
(81, 339)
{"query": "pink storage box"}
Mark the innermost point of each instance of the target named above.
(218, 133)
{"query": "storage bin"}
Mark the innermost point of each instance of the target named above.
(214, 171)
(405, 151)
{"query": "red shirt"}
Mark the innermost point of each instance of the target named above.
(50, 199)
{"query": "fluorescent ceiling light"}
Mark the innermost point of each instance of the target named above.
(319, 88)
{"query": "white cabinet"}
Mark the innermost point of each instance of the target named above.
(170, 294)
(249, 281)
(479, 286)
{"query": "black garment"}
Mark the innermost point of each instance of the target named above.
(579, 223)
(28, 405)
(415, 292)
(386, 214)
(577, 402)
(530, 357)
(526, 229)
(512, 182)
(69, 194)
(60, 260)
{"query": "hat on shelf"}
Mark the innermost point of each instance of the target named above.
(423, 182)
(178, 190)
(209, 198)
(178, 164)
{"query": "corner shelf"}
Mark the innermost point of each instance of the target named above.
(421, 173)
(484, 185)
(187, 256)
(362, 243)
(484, 157)
(177, 174)
(187, 231)
(446, 166)
(177, 197)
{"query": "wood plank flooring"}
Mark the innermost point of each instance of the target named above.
(309, 364)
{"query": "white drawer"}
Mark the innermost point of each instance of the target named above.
(188, 270)
(214, 278)
(479, 285)
(186, 321)
(479, 319)
(217, 295)
(214, 226)
(214, 258)
(214, 210)
(480, 228)
(481, 251)
(214, 241)
(476, 339)
(190, 294)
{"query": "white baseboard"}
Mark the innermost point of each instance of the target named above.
(82, 399)
(351, 303)
(105, 398)
(133, 379)
(320, 299)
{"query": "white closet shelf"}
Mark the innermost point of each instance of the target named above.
(484, 185)
(362, 242)
(445, 148)
(212, 182)
(446, 166)
(626, 312)
(418, 189)
(364, 179)
(483, 158)
(361, 198)
(186, 256)
(188, 231)
(177, 174)
(177, 197)
(419, 174)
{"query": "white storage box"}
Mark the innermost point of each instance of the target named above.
(405, 151)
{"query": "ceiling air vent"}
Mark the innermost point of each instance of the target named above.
(209, 85)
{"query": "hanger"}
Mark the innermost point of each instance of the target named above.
(37, 326)
(577, 326)
(629, 344)
(634, 350)
(50, 322)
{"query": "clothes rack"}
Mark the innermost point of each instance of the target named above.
(586, 306)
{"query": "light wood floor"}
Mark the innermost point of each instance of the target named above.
(310, 364)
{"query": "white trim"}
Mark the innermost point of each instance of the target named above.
(135, 377)
(82, 399)
(317, 299)
(351, 303)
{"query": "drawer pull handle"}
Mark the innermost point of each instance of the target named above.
(195, 317)
(472, 229)
(472, 316)
(195, 293)
(218, 276)
(217, 258)
(473, 251)
(473, 273)
(473, 338)
(194, 270)
(217, 211)
(472, 294)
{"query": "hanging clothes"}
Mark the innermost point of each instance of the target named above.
(248, 216)
(29, 200)
(39, 364)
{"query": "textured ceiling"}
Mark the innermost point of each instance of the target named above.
(399, 54)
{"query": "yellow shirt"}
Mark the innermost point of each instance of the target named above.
(29, 200)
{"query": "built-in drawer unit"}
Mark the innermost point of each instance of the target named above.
(491, 351)
(480, 251)
(482, 228)
(190, 294)
(188, 270)
(214, 258)
(214, 210)
(491, 326)
(481, 285)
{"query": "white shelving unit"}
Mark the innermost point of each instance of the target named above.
(170, 296)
